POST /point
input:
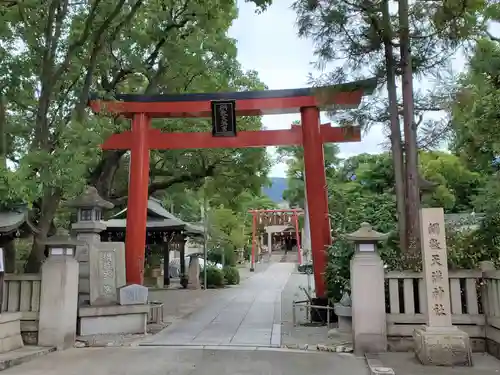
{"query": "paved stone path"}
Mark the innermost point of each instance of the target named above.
(177, 361)
(248, 315)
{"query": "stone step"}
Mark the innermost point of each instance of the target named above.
(22, 355)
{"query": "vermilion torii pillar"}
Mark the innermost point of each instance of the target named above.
(311, 135)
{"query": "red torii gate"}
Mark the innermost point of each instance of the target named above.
(308, 101)
(257, 214)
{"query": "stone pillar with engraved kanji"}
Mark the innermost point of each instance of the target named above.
(438, 342)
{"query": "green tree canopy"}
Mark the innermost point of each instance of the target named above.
(53, 55)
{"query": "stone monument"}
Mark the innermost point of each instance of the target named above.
(102, 274)
(194, 272)
(133, 295)
(369, 325)
(438, 342)
(102, 264)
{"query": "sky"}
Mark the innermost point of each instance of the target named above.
(268, 43)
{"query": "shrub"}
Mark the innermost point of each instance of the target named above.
(215, 255)
(338, 272)
(215, 277)
(231, 275)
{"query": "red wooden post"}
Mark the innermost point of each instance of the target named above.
(315, 188)
(297, 236)
(254, 227)
(137, 205)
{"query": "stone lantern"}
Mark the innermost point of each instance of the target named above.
(59, 294)
(61, 245)
(88, 225)
(365, 238)
(89, 207)
(369, 326)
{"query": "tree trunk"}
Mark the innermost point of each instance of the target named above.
(103, 176)
(9, 247)
(396, 148)
(50, 203)
(412, 253)
(3, 134)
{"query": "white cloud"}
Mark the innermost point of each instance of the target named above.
(268, 43)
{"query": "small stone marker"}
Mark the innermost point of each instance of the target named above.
(194, 273)
(439, 342)
(133, 294)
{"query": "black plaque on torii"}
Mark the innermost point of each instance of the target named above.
(223, 118)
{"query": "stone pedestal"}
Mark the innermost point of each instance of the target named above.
(10, 331)
(447, 346)
(344, 314)
(117, 319)
(58, 302)
(369, 324)
(194, 273)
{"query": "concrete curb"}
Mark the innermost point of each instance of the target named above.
(19, 356)
(376, 366)
(240, 347)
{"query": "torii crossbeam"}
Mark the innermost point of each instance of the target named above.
(311, 135)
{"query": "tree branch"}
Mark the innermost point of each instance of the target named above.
(163, 185)
(87, 30)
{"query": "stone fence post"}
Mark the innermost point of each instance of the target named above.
(59, 293)
(369, 325)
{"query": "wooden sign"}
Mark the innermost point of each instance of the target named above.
(223, 118)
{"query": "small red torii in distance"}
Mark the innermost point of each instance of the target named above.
(311, 135)
(256, 214)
